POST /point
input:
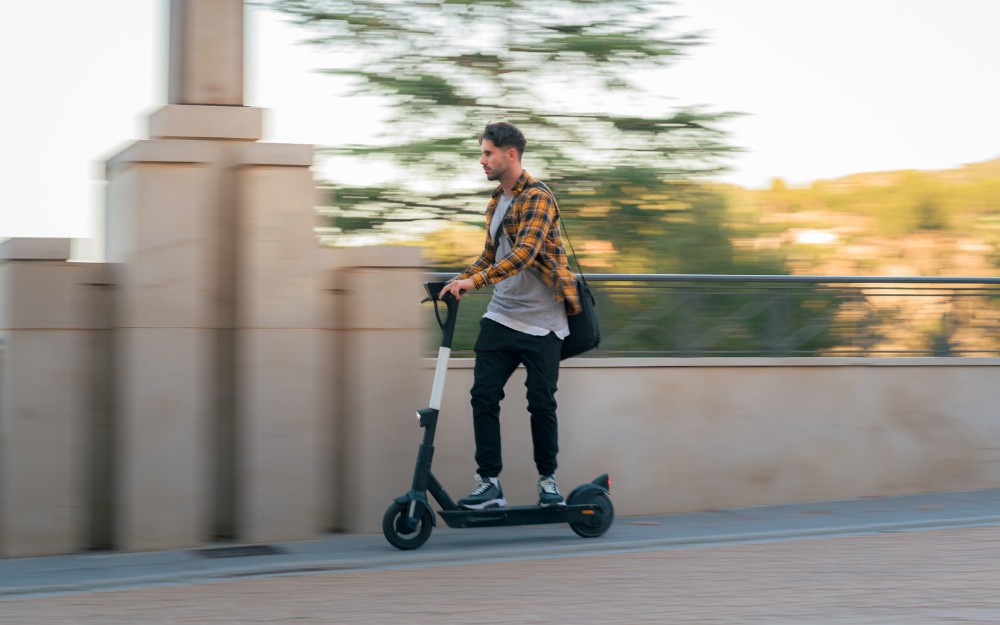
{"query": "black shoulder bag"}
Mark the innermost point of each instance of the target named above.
(584, 331)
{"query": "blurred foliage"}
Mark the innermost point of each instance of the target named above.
(574, 75)
(628, 166)
(895, 223)
(902, 223)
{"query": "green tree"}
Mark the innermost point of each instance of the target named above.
(574, 74)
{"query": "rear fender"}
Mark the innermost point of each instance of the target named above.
(602, 484)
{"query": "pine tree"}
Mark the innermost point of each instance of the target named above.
(573, 74)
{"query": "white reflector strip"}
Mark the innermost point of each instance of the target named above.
(439, 374)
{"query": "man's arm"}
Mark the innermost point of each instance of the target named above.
(535, 220)
(485, 260)
(461, 282)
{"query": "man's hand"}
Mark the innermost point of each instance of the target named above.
(455, 287)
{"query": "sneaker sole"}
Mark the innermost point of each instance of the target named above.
(493, 503)
(551, 505)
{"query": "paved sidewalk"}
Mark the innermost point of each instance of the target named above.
(937, 577)
(82, 573)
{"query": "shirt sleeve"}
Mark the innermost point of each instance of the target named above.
(535, 215)
(485, 260)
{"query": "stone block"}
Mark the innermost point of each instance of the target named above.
(53, 295)
(45, 399)
(26, 248)
(281, 426)
(164, 400)
(276, 154)
(191, 121)
(277, 275)
(162, 223)
(206, 52)
(165, 151)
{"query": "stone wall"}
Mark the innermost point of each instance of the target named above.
(680, 435)
(298, 417)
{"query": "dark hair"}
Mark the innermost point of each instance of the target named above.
(504, 135)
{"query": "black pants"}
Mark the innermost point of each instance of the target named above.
(499, 350)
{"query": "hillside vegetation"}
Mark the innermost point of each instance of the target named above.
(921, 223)
(895, 223)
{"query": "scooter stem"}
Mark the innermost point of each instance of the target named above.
(447, 333)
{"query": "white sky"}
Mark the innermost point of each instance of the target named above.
(830, 87)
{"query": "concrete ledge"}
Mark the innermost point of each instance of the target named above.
(165, 151)
(35, 249)
(280, 154)
(192, 121)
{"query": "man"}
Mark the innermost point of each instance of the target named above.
(525, 322)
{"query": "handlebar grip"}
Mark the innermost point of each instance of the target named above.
(433, 291)
(451, 303)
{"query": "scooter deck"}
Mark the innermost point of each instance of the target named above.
(521, 515)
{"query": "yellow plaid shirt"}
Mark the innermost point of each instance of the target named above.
(532, 223)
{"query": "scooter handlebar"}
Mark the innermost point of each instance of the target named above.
(434, 290)
(451, 302)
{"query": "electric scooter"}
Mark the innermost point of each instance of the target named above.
(408, 522)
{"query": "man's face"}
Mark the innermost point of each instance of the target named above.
(495, 161)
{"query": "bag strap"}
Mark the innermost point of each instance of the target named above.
(562, 225)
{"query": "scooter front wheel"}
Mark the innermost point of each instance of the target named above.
(394, 527)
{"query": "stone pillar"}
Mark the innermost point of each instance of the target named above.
(162, 221)
(219, 350)
(279, 348)
(382, 341)
(53, 369)
(206, 112)
(206, 52)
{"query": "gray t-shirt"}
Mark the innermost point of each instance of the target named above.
(523, 302)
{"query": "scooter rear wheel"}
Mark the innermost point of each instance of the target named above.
(393, 523)
(604, 519)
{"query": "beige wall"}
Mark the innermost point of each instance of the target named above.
(735, 433)
(325, 425)
(682, 435)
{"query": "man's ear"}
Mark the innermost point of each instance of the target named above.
(512, 155)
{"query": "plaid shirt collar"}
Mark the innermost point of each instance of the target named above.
(524, 180)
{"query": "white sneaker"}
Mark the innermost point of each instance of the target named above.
(486, 494)
(548, 492)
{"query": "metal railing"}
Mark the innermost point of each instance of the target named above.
(674, 315)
